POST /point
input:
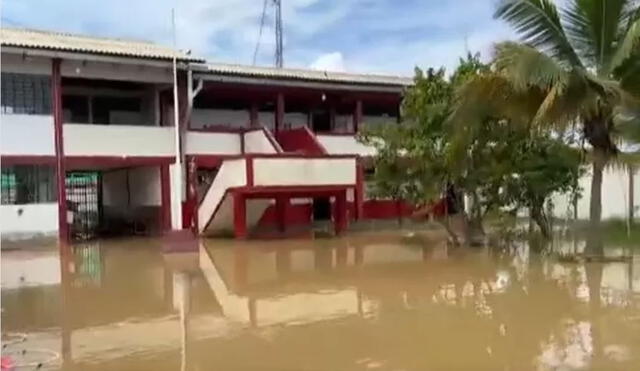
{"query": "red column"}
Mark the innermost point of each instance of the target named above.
(253, 115)
(192, 194)
(56, 95)
(279, 112)
(340, 216)
(332, 116)
(239, 215)
(358, 194)
(282, 204)
(165, 198)
(357, 116)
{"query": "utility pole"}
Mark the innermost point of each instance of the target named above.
(279, 50)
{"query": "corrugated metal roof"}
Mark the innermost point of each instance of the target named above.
(28, 38)
(303, 74)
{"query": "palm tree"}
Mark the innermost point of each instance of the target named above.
(578, 66)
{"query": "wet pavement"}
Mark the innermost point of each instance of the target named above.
(367, 301)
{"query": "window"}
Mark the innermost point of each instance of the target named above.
(25, 94)
(27, 184)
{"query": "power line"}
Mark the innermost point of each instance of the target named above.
(279, 46)
(264, 12)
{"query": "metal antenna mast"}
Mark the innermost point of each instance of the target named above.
(279, 50)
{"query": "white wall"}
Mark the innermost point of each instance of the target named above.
(615, 193)
(27, 135)
(345, 145)
(30, 220)
(257, 142)
(144, 186)
(15, 63)
(202, 117)
(233, 173)
(302, 171)
(201, 143)
(118, 140)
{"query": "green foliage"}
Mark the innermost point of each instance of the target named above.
(501, 165)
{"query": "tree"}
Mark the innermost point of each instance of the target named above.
(498, 164)
(580, 64)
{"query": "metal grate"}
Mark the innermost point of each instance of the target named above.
(27, 184)
(83, 201)
(25, 94)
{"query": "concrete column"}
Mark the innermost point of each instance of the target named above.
(239, 215)
(56, 99)
(340, 212)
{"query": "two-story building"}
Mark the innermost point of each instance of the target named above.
(89, 143)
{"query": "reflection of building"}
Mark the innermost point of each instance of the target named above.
(259, 146)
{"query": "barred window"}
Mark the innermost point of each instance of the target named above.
(27, 184)
(25, 93)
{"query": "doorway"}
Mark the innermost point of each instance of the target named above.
(84, 200)
(321, 208)
(321, 121)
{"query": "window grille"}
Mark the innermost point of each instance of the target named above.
(27, 184)
(25, 94)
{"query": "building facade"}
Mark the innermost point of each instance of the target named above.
(90, 144)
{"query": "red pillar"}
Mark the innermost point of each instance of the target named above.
(239, 215)
(56, 95)
(340, 216)
(192, 195)
(279, 113)
(357, 116)
(165, 197)
(358, 194)
(253, 115)
(332, 116)
(282, 204)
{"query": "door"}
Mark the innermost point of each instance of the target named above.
(321, 121)
(84, 203)
(321, 208)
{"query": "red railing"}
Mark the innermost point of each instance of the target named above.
(300, 140)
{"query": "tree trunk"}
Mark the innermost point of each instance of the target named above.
(537, 214)
(594, 246)
(631, 196)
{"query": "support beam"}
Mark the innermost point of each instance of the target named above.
(192, 194)
(357, 116)
(282, 204)
(165, 198)
(279, 124)
(340, 212)
(253, 115)
(239, 215)
(56, 95)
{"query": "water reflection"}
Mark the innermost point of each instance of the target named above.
(368, 301)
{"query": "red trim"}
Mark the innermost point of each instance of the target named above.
(165, 196)
(292, 191)
(358, 194)
(9, 160)
(300, 155)
(239, 215)
(357, 116)
(56, 93)
(323, 150)
(249, 169)
(272, 140)
(117, 161)
(279, 122)
(220, 129)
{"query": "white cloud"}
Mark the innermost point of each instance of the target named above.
(329, 62)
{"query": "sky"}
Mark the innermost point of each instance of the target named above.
(367, 36)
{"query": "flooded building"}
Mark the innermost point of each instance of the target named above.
(89, 141)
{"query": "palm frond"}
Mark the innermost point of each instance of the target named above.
(594, 29)
(525, 66)
(538, 23)
(629, 46)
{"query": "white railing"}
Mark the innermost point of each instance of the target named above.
(300, 171)
(211, 143)
(118, 140)
(232, 173)
(26, 135)
(345, 145)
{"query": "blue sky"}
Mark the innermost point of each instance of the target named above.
(383, 36)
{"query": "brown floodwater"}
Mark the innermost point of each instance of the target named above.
(366, 301)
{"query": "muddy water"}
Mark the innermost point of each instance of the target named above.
(375, 301)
